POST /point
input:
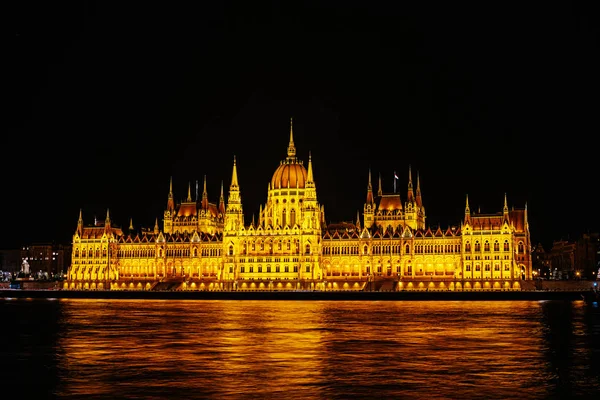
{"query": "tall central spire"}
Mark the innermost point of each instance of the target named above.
(291, 152)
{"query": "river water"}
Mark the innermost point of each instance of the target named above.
(213, 349)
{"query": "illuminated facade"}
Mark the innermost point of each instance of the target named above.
(207, 246)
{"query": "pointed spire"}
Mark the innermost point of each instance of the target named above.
(80, 223)
(419, 199)
(358, 219)
(369, 190)
(156, 230)
(130, 224)
(411, 196)
(107, 220)
(221, 201)
(467, 209)
(379, 191)
(234, 178)
(170, 201)
(291, 151)
(196, 199)
(253, 219)
(309, 177)
(505, 209)
(204, 196)
(189, 197)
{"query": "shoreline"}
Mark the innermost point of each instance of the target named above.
(302, 295)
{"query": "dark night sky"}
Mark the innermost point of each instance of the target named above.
(107, 101)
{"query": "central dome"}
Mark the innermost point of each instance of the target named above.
(289, 172)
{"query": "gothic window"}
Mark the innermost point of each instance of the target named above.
(307, 249)
(260, 268)
(468, 268)
(289, 244)
(506, 247)
(277, 269)
(286, 268)
(268, 268)
(292, 217)
(365, 249)
(486, 246)
(496, 267)
(477, 267)
(278, 245)
(307, 269)
(477, 246)
(242, 269)
(487, 267)
(295, 268)
(245, 248)
(283, 218)
(262, 245)
(468, 246)
(496, 246)
(230, 250)
(521, 248)
(251, 269)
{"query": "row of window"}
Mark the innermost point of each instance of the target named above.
(487, 267)
(268, 269)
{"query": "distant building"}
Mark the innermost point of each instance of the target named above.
(50, 259)
(541, 262)
(587, 255)
(10, 260)
(562, 255)
(204, 245)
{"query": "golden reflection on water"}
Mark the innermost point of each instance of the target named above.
(323, 350)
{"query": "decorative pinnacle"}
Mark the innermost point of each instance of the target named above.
(291, 152)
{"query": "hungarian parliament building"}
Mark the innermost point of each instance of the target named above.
(206, 246)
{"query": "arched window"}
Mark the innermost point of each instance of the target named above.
(521, 248)
(307, 251)
(477, 246)
(407, 249)
(468, 246)
(230, 250)
(283, 217)
(365, 249)
(486, 246)
(496, 246)
(292, 217)
(506, 246)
